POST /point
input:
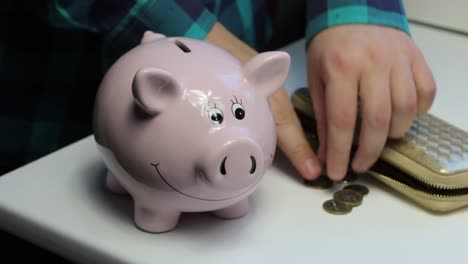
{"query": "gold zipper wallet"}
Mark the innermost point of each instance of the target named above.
(429, 165)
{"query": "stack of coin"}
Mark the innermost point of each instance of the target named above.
(335, 207)
(346, 199)
(363, 190)
(350, 195)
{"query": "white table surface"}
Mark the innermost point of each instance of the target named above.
(451, 15)
(59, 203)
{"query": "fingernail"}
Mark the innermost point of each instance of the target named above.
(312, 168)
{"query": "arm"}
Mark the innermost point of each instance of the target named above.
(325, 14)
(122, 23)
(364, 53)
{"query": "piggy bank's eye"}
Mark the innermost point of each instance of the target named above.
(238, 111)
(216, 116)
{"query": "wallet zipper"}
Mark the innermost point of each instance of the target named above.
(408, 180)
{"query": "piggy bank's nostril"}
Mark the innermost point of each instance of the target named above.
(222, 168)
(254, 165)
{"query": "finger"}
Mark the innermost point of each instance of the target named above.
(425, 83)
(317, 91)
(374, 93)
(291, 138)
(341, 104)
(404, 99)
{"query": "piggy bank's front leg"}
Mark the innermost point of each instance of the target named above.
(236, 210)
(155, 221)
(113, 184)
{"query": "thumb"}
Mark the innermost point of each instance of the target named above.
(291, 138)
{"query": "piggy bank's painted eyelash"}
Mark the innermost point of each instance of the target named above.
(236, 101)
(238, 109)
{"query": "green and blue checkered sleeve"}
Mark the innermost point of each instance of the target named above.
(169, 17)
(328, 13)
(123, 22)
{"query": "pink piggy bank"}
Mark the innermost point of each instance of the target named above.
(183, 126)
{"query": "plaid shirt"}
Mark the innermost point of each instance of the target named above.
(53, 53)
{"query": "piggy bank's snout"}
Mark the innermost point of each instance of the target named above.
(253, 166)
(238, 164)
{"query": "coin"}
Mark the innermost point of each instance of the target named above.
(361, 189)
(322, 182)
(302, 101)
(335, 207)
(349, 197)
(308, 124)
(313, 141)
(350, 176)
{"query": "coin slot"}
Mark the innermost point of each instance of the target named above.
(182, 46)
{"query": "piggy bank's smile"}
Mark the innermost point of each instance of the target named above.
(155, 165)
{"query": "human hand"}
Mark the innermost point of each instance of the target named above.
(290, 135)
(383, 69)
(291, 138)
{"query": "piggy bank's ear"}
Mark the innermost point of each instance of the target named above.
(154, 89)
(150, 36)
(267, 71)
